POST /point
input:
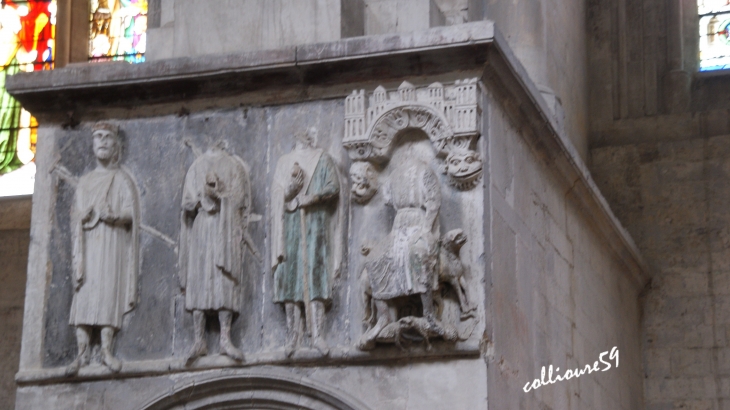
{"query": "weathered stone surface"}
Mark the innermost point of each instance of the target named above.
(548, 259)
(677, 215)
(14, 255)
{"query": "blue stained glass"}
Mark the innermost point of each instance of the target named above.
(714, 31)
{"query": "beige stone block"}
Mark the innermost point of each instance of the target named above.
(401, 16)
(657, 362)
(691, 362)
(160, 43)
(682, 284)
(227, 26)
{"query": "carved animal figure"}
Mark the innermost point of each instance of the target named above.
(451, 270)
(393, 332)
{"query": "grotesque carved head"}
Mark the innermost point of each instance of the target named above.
(364, 181)
(107, 144)
(464, 168)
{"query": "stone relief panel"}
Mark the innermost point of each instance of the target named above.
(219, 285)
(412, 274)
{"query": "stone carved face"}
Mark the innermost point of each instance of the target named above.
(463, 168)
(106, 145)
(307, 139)
(364, 181)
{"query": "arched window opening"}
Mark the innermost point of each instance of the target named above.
(118, 30)
(714, 18)
(27, 43)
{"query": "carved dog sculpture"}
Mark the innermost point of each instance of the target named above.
(451, 270)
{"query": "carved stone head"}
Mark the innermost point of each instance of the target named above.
(454, 240)
(464, 168)
(364, 181)
(307, 139)
(107, 144)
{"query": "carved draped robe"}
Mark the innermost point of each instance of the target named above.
(304, 237)
(211, 237)
(104, 255)
(404, 262)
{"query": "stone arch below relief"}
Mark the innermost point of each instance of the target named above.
(255, 390)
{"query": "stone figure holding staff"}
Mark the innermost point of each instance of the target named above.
(304, 225)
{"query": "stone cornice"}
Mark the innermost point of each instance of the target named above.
(300, 73)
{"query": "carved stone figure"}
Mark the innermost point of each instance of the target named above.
(104, 228)
(405, 262)
(451, 270)
(364, 181)
(216, 206)
(304, 197)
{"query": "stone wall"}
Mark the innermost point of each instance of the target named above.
(559, 296)
(673, 196)
(14, 242)
(659, 150)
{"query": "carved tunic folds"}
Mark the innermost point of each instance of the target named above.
(404, 263)
(104, 254)
(212, 233)
(303, 236)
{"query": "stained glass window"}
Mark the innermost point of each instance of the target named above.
(714, 34)
(118, 30)
(27, 33)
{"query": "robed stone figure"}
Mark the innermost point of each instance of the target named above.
(405, 262)
(104, 228)
(305, 238)
(216, 205)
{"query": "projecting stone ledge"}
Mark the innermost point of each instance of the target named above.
(116, 84)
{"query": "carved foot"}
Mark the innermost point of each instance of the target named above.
(199, 349)
(290, 347)
(321, 346)
(73, 368)
(231, 351)
(114, 364)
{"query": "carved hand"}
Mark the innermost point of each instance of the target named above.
(78, 282)
(296, 182)
(279, 260)
(292, 205)
(307, 200)
(107, 215)
(88, 215)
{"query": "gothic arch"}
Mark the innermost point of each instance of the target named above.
(259, 390)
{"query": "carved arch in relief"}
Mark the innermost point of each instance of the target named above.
(255, 390)
(385, 127)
